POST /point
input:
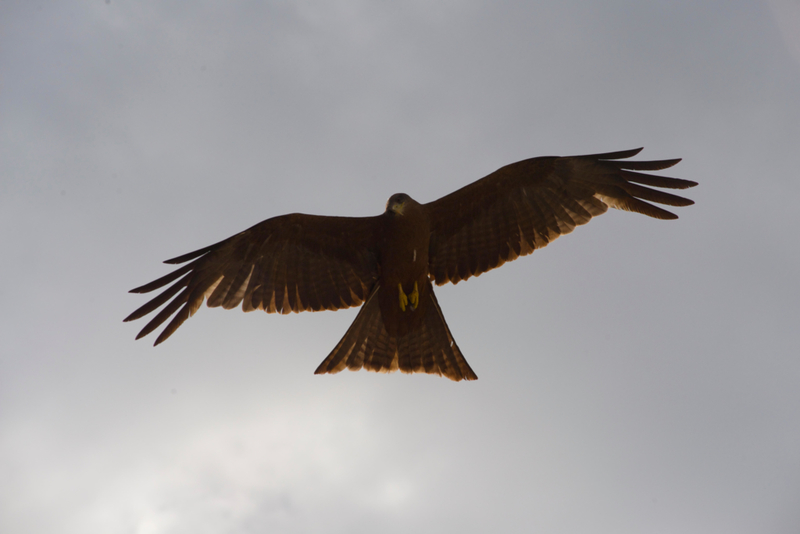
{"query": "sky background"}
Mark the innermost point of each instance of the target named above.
(635, 376)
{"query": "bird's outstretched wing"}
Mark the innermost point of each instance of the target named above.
(293, 263)
(525, 205)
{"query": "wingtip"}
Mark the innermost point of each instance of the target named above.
(620, 154)
(671, 162)
(183, 258)
(680, 183)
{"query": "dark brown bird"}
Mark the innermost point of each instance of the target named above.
(300, 262)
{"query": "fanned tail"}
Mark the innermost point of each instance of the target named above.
(429, 348)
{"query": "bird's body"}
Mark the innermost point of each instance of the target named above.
(389, 262)
(403, 256)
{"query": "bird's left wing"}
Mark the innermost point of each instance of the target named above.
(289, 263)
(525, 205)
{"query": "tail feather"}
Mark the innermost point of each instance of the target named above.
(429, 348)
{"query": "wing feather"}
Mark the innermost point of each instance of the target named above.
(285, 264)
(279, 288)
(528, 204)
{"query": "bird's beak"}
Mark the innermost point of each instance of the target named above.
(398, 207)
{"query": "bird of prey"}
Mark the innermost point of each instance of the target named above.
(389, 262)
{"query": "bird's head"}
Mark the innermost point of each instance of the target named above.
(397, 203)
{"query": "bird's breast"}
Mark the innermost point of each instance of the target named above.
(404, 272)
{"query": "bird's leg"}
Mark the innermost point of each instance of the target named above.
(403, 298)
(413, 298)
(409, 301)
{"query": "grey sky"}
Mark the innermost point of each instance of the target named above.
(635, 376)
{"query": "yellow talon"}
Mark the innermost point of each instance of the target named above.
(413, 298)
(403, 298)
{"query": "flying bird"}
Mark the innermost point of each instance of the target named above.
(388, 263)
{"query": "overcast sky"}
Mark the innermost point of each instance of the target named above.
(636, 376)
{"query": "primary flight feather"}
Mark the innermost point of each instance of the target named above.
(388, 263)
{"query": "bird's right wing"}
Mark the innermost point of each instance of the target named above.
(289, 263)
(525, 205)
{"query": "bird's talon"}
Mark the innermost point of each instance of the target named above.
(403, 298)
(413, 298)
